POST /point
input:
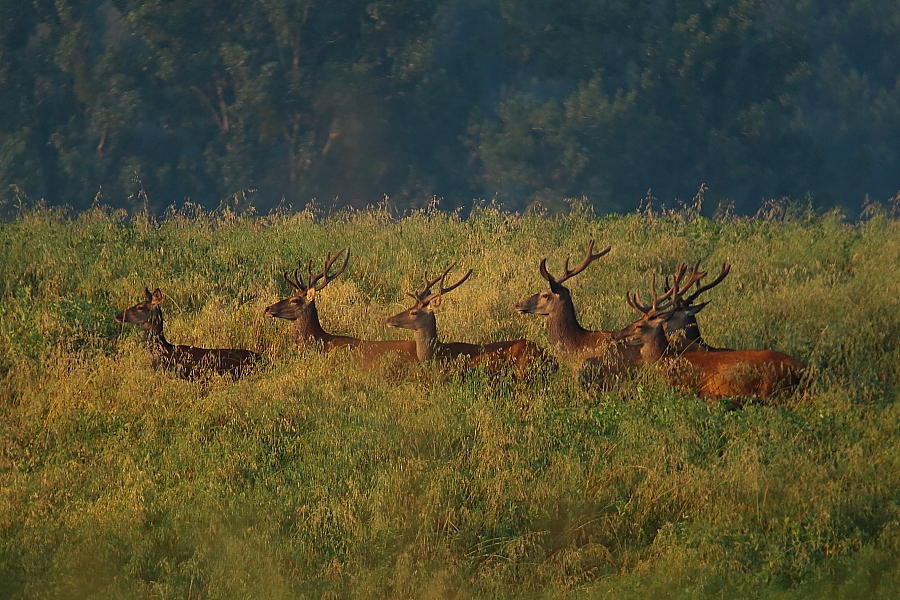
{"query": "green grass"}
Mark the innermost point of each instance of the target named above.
(313, 479)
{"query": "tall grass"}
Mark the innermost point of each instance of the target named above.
(313, 479)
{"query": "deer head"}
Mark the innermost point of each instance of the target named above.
(301, 304)
(684, 309)
(556, 298)
(647, 332)
(653, 315)
(146, 314)
(420, 317)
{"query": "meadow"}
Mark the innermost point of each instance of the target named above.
(312, 478)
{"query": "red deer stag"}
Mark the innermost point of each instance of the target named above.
(300, 308)
(682, 329)
(565, 333)
(186, 361)
(523, 356)
(713, 375)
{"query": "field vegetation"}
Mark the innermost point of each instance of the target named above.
(311, 478)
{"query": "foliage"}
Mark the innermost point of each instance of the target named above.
(527, 103)
(311, 478)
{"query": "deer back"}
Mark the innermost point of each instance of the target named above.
(193, 361)
(524, 357)
(763, 374)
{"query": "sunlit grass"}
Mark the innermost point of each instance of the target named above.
(313, 478)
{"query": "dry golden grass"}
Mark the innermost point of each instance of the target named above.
(313, 478)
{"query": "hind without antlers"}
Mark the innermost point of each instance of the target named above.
(300, 309)
(186, 361)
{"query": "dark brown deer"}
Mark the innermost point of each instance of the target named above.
(723, 373)
(556, 306)
(522, 356)
(682, 329)
(186, 361)
(300, 309)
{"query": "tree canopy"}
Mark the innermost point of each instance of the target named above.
(522, 101)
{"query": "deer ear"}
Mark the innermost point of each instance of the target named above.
(157, 297)
(147, 295)
(434, 302)
(310, 293)
(694, 309)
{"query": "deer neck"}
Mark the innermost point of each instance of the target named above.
(689, 338)
(693, 337)
(308, 329)
(655, 347)
(153, 332)
(563, 329)
(427, 344)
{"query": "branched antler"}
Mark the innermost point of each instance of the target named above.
(659, 304)
(426, 295)
(693, 279)
(589, 257)
(323, 275)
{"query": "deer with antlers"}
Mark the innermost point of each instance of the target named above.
(300, 309)
(682, 329)
(523, 356)
(186, 361)
(565, 333)
(712, 374)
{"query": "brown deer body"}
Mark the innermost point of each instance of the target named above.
(712, 374)
(186, 361)
(522, 356)
(569, 338)
(300, 309)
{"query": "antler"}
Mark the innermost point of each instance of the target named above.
(567, 273)
(726, 268)
(323, 274)
(659, 304)
(312, 280)
(295, 283)
(693, 279)
(426, 295)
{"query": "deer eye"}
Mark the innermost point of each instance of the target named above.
(295, 300)
(414, 312)
(545, 295)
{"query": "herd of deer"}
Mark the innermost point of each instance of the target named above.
(666, 330)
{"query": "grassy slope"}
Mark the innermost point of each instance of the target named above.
(312, 479)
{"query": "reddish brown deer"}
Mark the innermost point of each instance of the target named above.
(186, 361)
(723, 373)
(300, 309)
(523, 356)
(682, 329)
(565, 333)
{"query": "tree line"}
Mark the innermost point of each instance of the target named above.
(526, 102)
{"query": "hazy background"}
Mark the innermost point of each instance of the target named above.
(526, 102)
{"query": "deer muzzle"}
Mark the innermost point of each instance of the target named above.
(527, 306)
